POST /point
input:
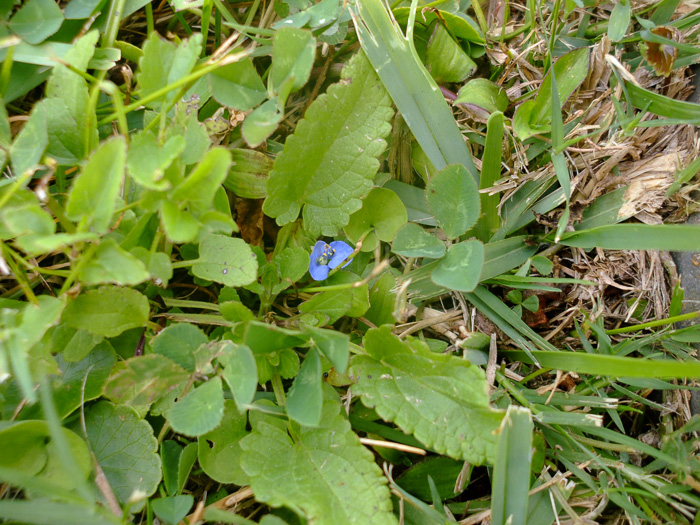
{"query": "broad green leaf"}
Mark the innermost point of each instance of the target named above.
(173, 509)
(159, 266)
(334, 345)
(262, 122)
(144, 379)
(179, 225)
(200, 411)
(37, 20)
(328, 163)
(29, 145)
(444, 472)
(619, 20)
(535, 116)
(413, 241)
(382, 299)
(147, 160)
(353, 302)
(72, 343)
(454, 198)
(56, 512)
(461, 268)
(220, 450)
(201, 185)
(445, 58)
(107, 311)
(26, 218)
(94, 192)
(237, 85)
(263, 338)
(240, 373)
(179, 342)
(68, 98)
(382, 214)
(112, 264)
(482, 97)
(79, 9)
(442, 400)
(511, 473)
(293, 53)
(414, 200)
(460, 25)
(305, 398)
(662, 105)
(125, 448)
(335, 481)
(163, 63)
(248, 175)
(671, 237)
(177, 464)
(226, 260)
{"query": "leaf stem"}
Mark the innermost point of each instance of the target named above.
(278, 388)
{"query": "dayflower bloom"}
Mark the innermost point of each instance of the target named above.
(325, 257)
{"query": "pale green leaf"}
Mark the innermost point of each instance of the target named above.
(107, 311)
(482, 97)
(112, 264)
(670, 237)
(37, 20)
(619, 20)
(335, 480)
(173, 509)
(461, 268)
(413, 241)
(237, 85)
(201, 185)
(262, 122)
(94, 192)
(334, 345)
(293, 54)
(454, 198)
(240, 373)
(29, 145)
(328, 163)
(305, 398)
(179, 342)
(226, 260)
(147, 160)
(200, 411)
(442, 400)
(445, 58)
(382, 214)
(125, 448)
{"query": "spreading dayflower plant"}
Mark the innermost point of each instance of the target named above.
(325, 257)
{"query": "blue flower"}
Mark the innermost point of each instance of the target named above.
(325, 257)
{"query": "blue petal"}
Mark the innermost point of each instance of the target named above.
(317, 271)
(342, 251)
(318, 250)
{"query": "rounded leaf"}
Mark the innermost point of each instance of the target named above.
(454, 198)
(460, 269)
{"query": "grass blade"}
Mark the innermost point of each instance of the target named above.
(669, 237)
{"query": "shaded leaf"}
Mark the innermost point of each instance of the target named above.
(200, 411)
(454, 198)
(220, 450)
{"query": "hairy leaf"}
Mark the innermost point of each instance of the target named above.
(328, 163)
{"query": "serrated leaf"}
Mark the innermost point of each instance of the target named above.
(237, 85)
(163, 63)
(225, 260)
(179, 342)
(144, 379)
(107, 311)
(305, 398)
(220, 450)
(94, 192)
(328, 163)
(413, 241)
(461, 268)
(442, 400)
(335, 481)
(125, 448)
(382, 213)
(200, 411)
(112, 264)
(293, 53)
(454, 198)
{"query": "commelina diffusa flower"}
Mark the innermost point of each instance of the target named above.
(325, 257)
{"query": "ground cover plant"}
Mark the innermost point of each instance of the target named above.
(347, 262)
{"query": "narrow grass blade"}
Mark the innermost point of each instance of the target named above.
(669, 237)
(511, 473)
(413, 90)
(490, 173)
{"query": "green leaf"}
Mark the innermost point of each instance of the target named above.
(511, 473)
(328, 163)
(662, 105)
(220, 450)
(94, 192)
(147, 160)
(305, 398)
(535, 116)
(671, 237)
(125, 448)
(482, 97)
(335, 481)
(382, 213)
(111, 264)
(37, 20)
(179, 225)
(201, 185)
(440, 399)
(262, 122)
(179, 342)
(619, 20)
(73, 344)
(454, 198)
(247, 177)
(163, 63)
(382, 298)
(237, 85)
(56, 513)
(413, 241)
(353, 302)
(445, 58)
(200, 411)
(263, 338)
(29, 145)
(444, 471)
(173, 509)
(144, 379)
(107, 311)
(226, 260)
(460, 269)
(240, 373)
(293, 53)
(334, 345)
